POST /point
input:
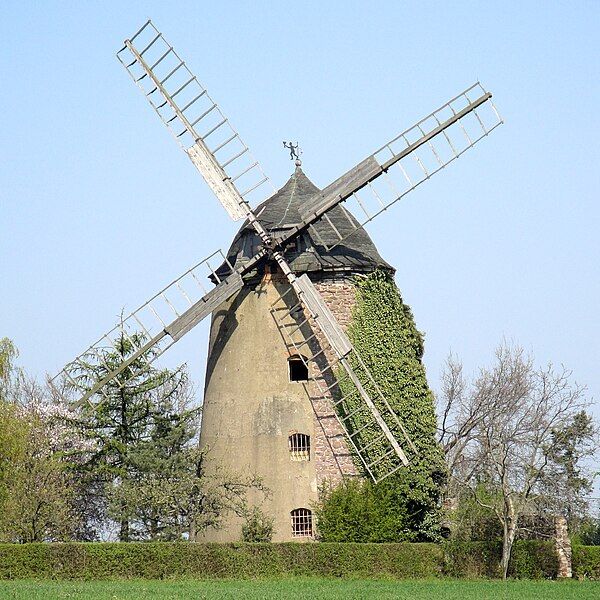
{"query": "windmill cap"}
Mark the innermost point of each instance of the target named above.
(280, 212)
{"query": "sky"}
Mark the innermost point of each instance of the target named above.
(99, 208)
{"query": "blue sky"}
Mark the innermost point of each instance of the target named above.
(99, 208)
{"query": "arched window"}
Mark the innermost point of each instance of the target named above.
(299, 444)
(302, 522)
(298, 368)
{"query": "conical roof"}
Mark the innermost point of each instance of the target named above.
(356, 254)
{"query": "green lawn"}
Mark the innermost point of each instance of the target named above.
(303, 588)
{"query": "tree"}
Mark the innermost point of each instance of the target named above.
(168, 495)
(514, 439)
(8, 373)
(37, 506)
(589, 532)
(35, 484)
(142, 450)
(13, 440)
(571, 443)
(135, 427)
(407, 506)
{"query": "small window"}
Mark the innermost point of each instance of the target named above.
(302, 522)
(299, 444)
(298, 368)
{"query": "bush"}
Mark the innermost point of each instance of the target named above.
(472, 559)
(533, 559)
(586, 562)
(257, 527)
(589, 533)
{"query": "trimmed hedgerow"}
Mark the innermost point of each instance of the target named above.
(245, 560)
(586, 562)
(531, 559)
(240, 560)
(472, 559)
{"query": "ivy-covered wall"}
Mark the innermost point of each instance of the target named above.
(403, 506)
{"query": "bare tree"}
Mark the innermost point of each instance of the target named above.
(500, 435)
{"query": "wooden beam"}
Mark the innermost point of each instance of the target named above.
(201, 309)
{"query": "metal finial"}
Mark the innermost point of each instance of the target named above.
(295, 152)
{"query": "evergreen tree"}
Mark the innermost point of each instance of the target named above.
(135, 429)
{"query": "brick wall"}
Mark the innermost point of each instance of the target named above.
(333, 460)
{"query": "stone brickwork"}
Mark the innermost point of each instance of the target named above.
(563, 548)
(333, 460)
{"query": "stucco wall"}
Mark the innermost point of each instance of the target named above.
(251, 407)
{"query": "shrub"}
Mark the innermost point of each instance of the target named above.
(472, 522)
(257, 527)
(533, 559)
(586, 562)
(472, 559)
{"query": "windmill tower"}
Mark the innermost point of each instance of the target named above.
(261, 412)
(287, 396)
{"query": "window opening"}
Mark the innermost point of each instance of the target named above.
(299, 444)
(298, 368)
(302, 522)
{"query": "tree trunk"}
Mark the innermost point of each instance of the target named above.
(124, 531)
(509, 531)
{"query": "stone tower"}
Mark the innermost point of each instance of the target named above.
(261, 415)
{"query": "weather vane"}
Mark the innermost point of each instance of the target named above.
(295, 151)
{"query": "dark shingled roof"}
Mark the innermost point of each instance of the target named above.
(356, 254)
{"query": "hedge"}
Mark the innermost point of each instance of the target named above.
(531, 559)
(239, 560)
(586, 562)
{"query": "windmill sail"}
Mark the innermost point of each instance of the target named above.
(321, 314)
(398, 167)
(342, 379)
(150, 329)
(225, 163)
(194, 119)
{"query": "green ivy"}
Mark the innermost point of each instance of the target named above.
(406, 504)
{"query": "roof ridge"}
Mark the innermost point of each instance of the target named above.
(294, 185)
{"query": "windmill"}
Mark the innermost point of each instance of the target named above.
(260, 266)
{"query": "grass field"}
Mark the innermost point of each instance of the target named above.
(303, 588)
